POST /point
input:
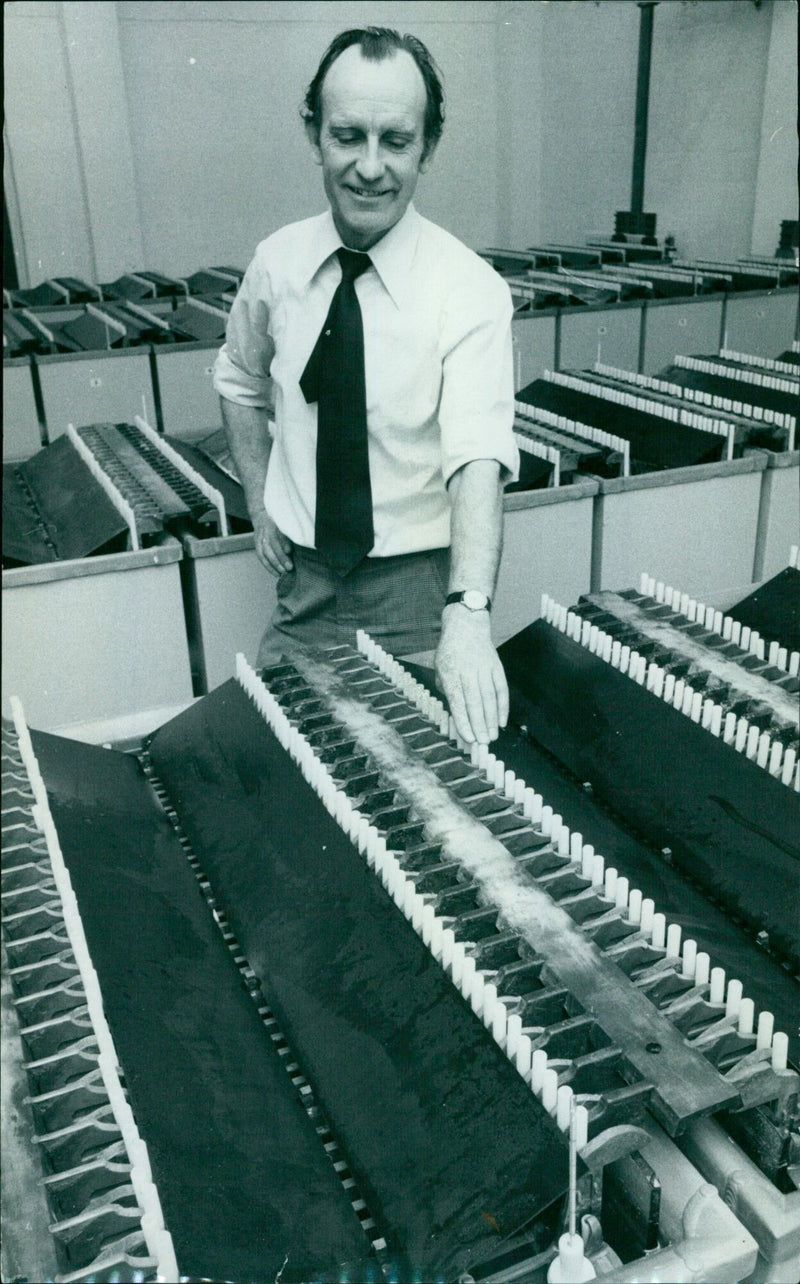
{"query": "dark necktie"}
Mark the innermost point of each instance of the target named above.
(334, 378)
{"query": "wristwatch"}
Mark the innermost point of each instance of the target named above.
(472, 599)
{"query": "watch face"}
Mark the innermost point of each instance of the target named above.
(475, 600)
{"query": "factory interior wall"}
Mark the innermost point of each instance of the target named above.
(776, 183)
(168, 135)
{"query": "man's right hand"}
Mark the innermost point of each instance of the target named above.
(273, 549)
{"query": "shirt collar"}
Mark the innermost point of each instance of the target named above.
(391, 256)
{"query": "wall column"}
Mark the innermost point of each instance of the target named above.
(776, 182)
(97, 87)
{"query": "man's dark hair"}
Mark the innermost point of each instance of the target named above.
(378, 43)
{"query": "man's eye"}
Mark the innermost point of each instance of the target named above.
(347, 140)
(397, 144)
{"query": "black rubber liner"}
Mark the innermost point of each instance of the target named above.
(774, 609)
(455, 1155)
(655, 442)
(719, 385)
(76, 515)
(231, 491)
(733, 827)
(245, 1185)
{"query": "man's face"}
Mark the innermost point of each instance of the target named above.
(371, 142)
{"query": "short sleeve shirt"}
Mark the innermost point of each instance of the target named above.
(438, 367)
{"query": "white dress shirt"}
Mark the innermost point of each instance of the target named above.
(438, 366)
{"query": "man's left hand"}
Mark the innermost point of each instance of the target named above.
(469, 672)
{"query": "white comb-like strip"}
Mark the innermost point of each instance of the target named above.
(725, 626)
(762, 363)
(755, 745)
(741, 409)
(541, 451)
(610, 441)
(758, 378)
(646, 406)
(211, 493)
(506, 1028)
(117, 498)
(157, 1237)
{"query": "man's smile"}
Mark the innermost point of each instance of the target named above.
(368, 194)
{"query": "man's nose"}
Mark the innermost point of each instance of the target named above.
(370, 163)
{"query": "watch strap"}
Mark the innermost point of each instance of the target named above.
(459, 597)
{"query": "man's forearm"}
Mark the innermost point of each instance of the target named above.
(250, 442)
(476, 526)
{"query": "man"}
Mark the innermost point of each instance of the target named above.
(393, 388)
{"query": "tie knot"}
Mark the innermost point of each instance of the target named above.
(353, 263)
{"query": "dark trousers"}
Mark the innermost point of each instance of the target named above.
(397, 600)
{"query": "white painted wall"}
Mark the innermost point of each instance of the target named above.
(167, 135)
(776, 184)
(221, 155)
(706, 92)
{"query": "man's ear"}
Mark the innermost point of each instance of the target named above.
(427, 156)
(312, 134)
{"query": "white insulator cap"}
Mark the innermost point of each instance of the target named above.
(764, 1029)
(467, 975)
(635, 906)
(555, 827)
(448, 941)
(621, 894)
(476, 995)
(428, 916)
(499, 773)
(520, 789)
(775, 758)
(763, 750)
(563, 841)
(616, 652)
(751, 748)
(563, 1099)
(610, 884)
(648, 917)
(513, 1033)
(702, 968)
(458, 956)
(509, 781)
(581, 1126)
(598, 871)
(546, 819)
(780, 1051)
(689, 955)
(500, 1023)
(527, 801)
(787, 770)
(523, 1056)
(538, 1069)
(489, 1002)
(733, 999)
(550, 1090)
(575, 845)
(715, 725)
(717, 991)
(746, 1014)
(674, 941)
(587, 860)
